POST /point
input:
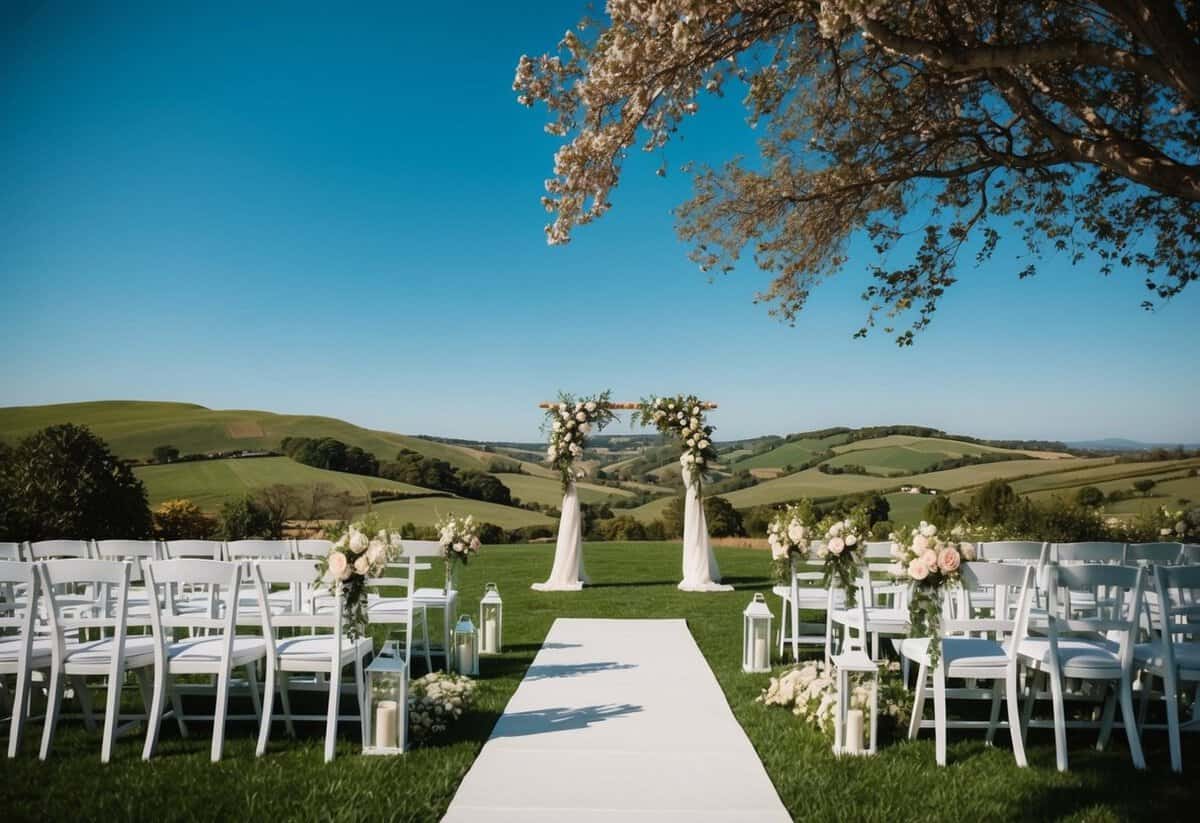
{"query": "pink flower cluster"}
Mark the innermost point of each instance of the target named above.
(926, 558)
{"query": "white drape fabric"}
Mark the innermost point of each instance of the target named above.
(568, 574)
(700, 572)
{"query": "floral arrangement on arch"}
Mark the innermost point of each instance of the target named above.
(360, 551)
(683, 417)
(569, 422)
(459, 539)
(435, 701)
(841, 551)
(931, 564)
(810, 691)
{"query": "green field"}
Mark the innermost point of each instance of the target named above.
(425, 511)
(900, 454)
(789, 454)
(290, 782)
(548, 491)
(133, 428)
(1095, 475)
(649, 512)
(209, 483)
(907, 508)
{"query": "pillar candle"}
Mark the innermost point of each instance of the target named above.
(854, 731)
(761, 658)
(385, 724)
(490, 634)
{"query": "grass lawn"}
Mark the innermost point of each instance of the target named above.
(632, 580)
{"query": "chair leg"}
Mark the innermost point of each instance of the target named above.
(994, 717)
(795, 630)
(285, 703)
(939, 713)
(220, 710)
(176, 705)
(112, 712)
(54, 697)
(1060, 721)
(360, 690)
(252, 682)
(268, 705)
(20, 705)
(914, 725)
(1106, 721)
(84, 695)
(1015, 729)
(783, 618)
(1031, 692)
(1131, 727)
(425, 635)
(331, 721)
(1146, 679)
(154, 718)
(1171, 695)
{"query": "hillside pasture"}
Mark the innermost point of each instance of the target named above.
(907, 508)
(209, 483)
(794, 453)
(425, 511)
(548, 491)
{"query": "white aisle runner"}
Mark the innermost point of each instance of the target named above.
(617, 720)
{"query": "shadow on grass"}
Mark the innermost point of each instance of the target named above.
(546, 721)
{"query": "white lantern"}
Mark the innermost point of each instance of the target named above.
(756, 636)
(849, 723)
(491, 621)
(466, 647)
(385, 721)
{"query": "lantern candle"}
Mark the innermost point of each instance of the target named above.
(854, 731)
(385, 724)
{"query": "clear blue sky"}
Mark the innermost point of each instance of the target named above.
(327, 209)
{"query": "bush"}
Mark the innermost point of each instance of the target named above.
(242, 519)
(723, 519)
(63, 482)
(490, 534)
(882, 530)
(182, 520)
(756, 520)
(622, 528)
(992, 504)
(1144, 485)
(941, 512)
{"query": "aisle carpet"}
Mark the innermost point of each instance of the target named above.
(617, 720)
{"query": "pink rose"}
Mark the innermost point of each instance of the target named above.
(929, 558)
(949, 560)
(917, 569)
(339, 567)
(920, 543)
(475, 544)
(836, 545)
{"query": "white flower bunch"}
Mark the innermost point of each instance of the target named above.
(791, 532)
(683, 417)
(437, 700)
(842, 537)
(458, 536)
(363, 550)
(810, 691)
(569, 422)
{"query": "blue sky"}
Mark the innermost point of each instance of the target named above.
(333, 210)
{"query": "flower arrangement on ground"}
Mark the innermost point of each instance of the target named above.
(682, 416)
(435, 701)
(360, 551)
(810, 691)
(459, 539)
(568, 423)
(931, 564)
(841, 551)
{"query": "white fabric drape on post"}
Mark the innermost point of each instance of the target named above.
(568, 574)
(700, 572)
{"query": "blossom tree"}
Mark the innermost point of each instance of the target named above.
(1077, 123)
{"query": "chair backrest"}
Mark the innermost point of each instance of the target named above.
(297, 575)
(259, 550)
(57, 549)
(313, 548)
(421, 548)
(11, 551)
(1018, 551)
(1066, 554)
(133, 550)
(221, 579)
(1007, 610)
(110, 579)
(404, 576)
(17, 613)
(198, 549)
(1190, 554)
(1120, 623)
(1153, 553)
(1179, 587)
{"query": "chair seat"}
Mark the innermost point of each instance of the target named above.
(958, 652)
(1080, 658)
(205, 652)
(317, 648)
(879, 620)
(388, 607)
(810, 597)
(10, 649)
(1150, 656)
(139, 651)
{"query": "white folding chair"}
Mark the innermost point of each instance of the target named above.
(247, 551)
(58, 549)
(110, 656)
(885, 605)
(135, 551)
(312, 548)
(1175, 654)
(1093, 649)
(1153, 554)
(401, 613)
(1074, 554)
(325, 654)
(11, 552)
(976, 646)
(192, 597)
(21, 651)
(804, 590)
(217, 653)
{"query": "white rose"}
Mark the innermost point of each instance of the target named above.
(691, 443)
(551, 453)
(851, 539)
(339, 566)
(704, 444)
(362, 565)
(358, 542)
(591, 406)
(581, 417)
(695, 423)
(586, 428)
(928, 529)
(557, 425)
(837, 545)
(920, 543)
(695, 410)
(795, 532)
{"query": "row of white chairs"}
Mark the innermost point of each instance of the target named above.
(69, 619)
(1055, 613)
(162, 549)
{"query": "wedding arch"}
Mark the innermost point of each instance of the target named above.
(570, 421)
